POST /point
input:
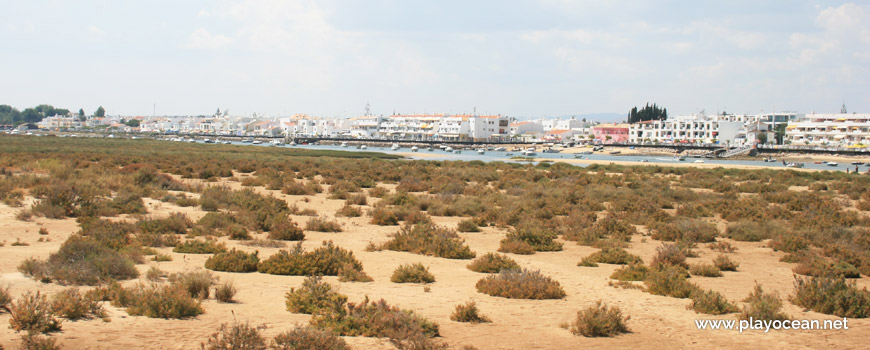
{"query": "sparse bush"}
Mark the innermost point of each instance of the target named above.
(429, 239)
(610, 255)
(691, 230)
(200, 247)
(377, 319)
(5, 297)
(158, 301)
(155, 274)
(762, 306)
(752, 231)
(705, 270)
(632, 272)
(384, 216)
(162, 257)
(669, 254)
(722, 247)
(265, 243)
(315, 295)
(320, 224)
(712, 303)
(608, 227)
(468, 312)
(600, 320)
(516, 247)
(32, 313)
(225, 292)
(197, 283)
(31, 341)
(82, 261)
(348, 273)
(357, 199)
(72, 304)
(468, 225)
(832, 296)
(492, 263)
(539, 239)
(669, 281)
(308, 338)
(520, 284)
(284, 229)
(233, 261)
(724, 263)
(237, 336)
(326, 260)
(412, 273)
(349, 211)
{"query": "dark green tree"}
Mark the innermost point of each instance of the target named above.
(779, 133)
(101, 112)
(133, 123)
(646, 113)
(761, 137)
(9, 115)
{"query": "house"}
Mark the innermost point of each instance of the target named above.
(610, 133)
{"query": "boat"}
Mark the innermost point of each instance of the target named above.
(819, 162)
(699, 161)
(769, 160)
(457, 151)
(415, 149)
(363, 147)
(644, 160)
(586, 152)
(191, 141)
(448, 149)
(429, 148)
(550, 150)
(207, 141)
(794, 165)
(344, 144)
(292, 143)
(500, 149)
(615, 152)
(529, 153)
(481, 151)
(227, 142)
(857, 163)
(578, 155)
(682, 158)
(831, 163)
(394, 147)
(508, 154)
(257, 142)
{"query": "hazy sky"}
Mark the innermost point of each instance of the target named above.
(520, 58)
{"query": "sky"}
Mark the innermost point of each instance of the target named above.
(519, 58)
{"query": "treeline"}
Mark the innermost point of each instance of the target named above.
(647, 113)
(11, 116)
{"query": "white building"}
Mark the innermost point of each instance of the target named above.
(830, 129)
(722, 129)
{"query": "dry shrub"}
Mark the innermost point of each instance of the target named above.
(429, 239)
(610, 255)
(722, 247)
(236, 336)
(520, 284)
(313, 296)
(157, 301)
(284, 229)
(378, 319)
(711, 303)
(225, 292)
(690, 230)
(669, 254)
(516, 247)
(32, 313)
(308, 338)
(724, 263)
(492, 263)
(233, 261)
(82, 261)
(32, 341)
(378, 192)
(540, 239)
(753, 231)
(194, 246)
(72, 304)
(600, 320)
(197, 283)
(468, 312)
(412, 273)
(669, 281)
(610, 226)
(705, 270)
(357, 199)
(321, 224)
(467, 225)
(385, 216)
(155, 274)
(265, 243)
(5, 297)
(349, 211)
(832, 296)
(762, 306)
(632, 272)
(347, 273)
(326, 260)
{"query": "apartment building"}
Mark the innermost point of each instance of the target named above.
(835, 129)
(725, 129)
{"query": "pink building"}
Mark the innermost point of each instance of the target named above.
(610, 133)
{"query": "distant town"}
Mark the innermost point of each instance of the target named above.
(841, 130)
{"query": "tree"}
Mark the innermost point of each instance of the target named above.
(647, 113)
(761, 137)
(133, 123)
(8, 115)
(779, 133)
(101, 112)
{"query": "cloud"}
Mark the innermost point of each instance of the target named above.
(202, 39)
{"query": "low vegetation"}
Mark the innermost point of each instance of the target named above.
(412, 273)
(429, 239)
(468, 312)
(492, 263)
(308, 338)
(520, 284)
(762, 306)
(600, 320)
(233, 261)
(327, 260)
(236, 336)
(832, 296)
(32, 312)
(609, 255)
(315, 295)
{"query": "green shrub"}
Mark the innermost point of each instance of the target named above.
(237, 336)
(632, 272)
(762, 306)
(429, 239)
(200, 247)
(468, 225)
(492, 263)
(705, 270)
(669, 281)
(412, 273)
(610, 255)
(348, 273)
(73, 305)
(516, 247)
(669, 254)
(600, 320)
(197, 283)
(608, 227)
(32, 313)
(385, 216)
(691, 230)
(308, 338)
(752, 231)
(233, 261)
(322, 225)
(313, 296)
(326, 260)
(158, 301)
(82, 261)
(284, 229)
(540, 240)
(468, 312)
(225, 292)
(520, 284)
(724, 263)
(712, 303)
(832, 296)
(376, 319)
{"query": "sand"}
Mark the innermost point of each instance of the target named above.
(656, 322)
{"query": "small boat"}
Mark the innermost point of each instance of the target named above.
(699, 161)
(529, 153)
(578, 155)
(500, 149)
(429, 148)
(292, 143)
(857, 163)
(831, 164)
(769, 160)
(344, 144)
(508, 154)
(794, 165)
(191, 141)
(644, 160)
(207, 141)
(448, 149)
(363, 147)
(227, 142)
(415, 149)
(481, 151)
(457, 151)
(819, 162)
(394, 147)
(587, 152)
(682, 158)
(615, 152)
(551, 150)
(276, 142)
(257, 142)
